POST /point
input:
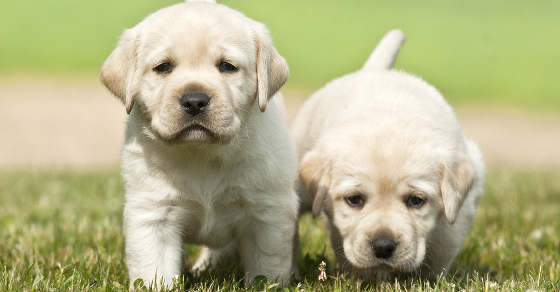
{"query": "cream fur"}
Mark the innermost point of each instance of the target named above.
(385, 135)
(227, 183)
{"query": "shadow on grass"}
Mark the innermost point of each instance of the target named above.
(228, 276)
(467, 268)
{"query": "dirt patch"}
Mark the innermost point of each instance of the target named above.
(59, 123)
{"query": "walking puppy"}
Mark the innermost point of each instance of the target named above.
(201, 164)
(384, 160)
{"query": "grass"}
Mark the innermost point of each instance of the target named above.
(476, 51)
(61, 231)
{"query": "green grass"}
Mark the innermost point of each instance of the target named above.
(503, 51)
(62, 231)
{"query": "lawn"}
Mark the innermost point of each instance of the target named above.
(502, 51)
(61, 231)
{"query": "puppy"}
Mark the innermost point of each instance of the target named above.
(384, 160)
(200, 163)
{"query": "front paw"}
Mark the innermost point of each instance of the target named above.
(210, 258)
(203, 262)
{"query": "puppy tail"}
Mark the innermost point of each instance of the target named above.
(386, 51)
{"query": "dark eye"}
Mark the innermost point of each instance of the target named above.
(355, 201)
(414, 201)
(226, 67)
(164, 68)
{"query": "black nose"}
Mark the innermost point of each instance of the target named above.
(383, 248)
(195, 103)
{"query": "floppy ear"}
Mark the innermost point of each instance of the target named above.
(119, 69)
(272, 69)
(456, 183)
(314, 172)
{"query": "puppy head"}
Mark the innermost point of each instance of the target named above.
(194, 70)
(385, 198)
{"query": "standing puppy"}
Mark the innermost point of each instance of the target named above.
(384, 159)
(201, 164)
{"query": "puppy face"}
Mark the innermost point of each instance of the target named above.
(384, 199)
(194, 70)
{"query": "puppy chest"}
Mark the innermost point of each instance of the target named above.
(215, 223)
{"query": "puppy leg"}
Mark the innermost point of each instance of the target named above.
(153, 244)
(210, 257)
(266, 248)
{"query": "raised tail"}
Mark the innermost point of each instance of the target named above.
(386, 51)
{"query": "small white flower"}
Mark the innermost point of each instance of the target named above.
(322, 271)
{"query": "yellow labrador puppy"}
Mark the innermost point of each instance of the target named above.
(202, 161)
(385, 162)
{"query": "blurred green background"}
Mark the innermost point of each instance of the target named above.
(490, 52)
